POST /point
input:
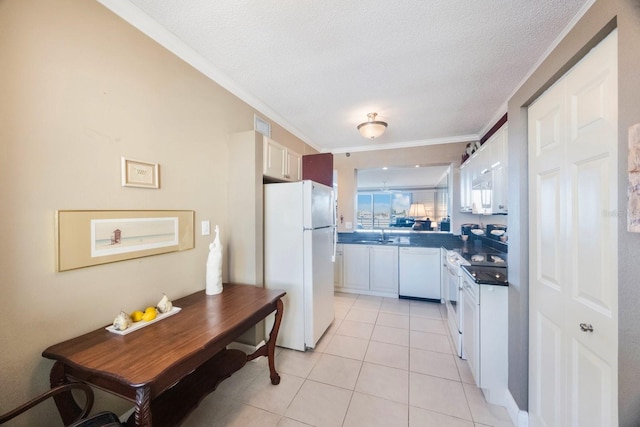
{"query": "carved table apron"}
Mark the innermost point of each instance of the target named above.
(168, 367)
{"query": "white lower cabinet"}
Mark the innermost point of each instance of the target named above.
(471, 327)
(383, 269)
(419, 272)
(356, 267)
(371, 269)
(484, 339)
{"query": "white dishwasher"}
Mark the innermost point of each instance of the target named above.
(419, 273)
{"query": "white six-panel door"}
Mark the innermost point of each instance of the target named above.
(573, 313)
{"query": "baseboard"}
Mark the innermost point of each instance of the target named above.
(518, 418)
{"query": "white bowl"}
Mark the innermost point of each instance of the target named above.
(477, 231)
(497, 232)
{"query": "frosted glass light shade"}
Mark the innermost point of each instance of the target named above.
(372, 128)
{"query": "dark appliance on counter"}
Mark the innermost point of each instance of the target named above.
(468, 230)
(465, 229)
(499, 228)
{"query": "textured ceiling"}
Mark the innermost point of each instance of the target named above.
(435, 70)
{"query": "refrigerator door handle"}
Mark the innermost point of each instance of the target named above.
(335, 243)
(334, 214)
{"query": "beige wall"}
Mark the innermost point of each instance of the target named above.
(80, 88)
(431, 155)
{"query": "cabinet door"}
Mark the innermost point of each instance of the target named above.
(338, 268)
(471, 329)
(383, 270)
(294, 166)
(499, 170)
(465, 188)
(493, 348)
(274, 159)
(356, 266)
(499, 200)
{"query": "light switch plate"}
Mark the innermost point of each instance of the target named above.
(206, 228)
(348, 225)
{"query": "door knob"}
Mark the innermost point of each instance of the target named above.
(586, 327)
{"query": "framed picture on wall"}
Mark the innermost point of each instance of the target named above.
(136, 173)
(87, 238)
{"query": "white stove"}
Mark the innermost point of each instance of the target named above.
(453, 298)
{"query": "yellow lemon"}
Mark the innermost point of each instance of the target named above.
(149, 314)
(148, 309)
(136, 316)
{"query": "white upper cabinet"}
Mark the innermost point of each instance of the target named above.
(499, 171)
(280, 162)
(294, 166)
(483, 177)
(465, 188)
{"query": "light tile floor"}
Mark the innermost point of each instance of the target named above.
(383, 362)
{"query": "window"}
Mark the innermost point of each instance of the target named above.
(381, 209)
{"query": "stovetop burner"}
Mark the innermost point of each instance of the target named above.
(485, 257)
(487, 275)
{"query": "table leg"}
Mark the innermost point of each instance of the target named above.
(269, 349)
(271, 344)
(143, 407)
(67, 406)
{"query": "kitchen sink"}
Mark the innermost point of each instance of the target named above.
(376, 241)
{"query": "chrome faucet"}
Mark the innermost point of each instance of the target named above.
(383, 236)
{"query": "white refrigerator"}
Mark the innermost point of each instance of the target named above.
(299, 250)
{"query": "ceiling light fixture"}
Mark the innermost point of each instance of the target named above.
(372, 128)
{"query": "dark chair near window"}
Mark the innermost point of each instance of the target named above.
(101, 419)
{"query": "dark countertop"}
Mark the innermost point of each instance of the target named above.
(485, 275)
(425, 239)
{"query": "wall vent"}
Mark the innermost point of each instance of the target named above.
(261, 126)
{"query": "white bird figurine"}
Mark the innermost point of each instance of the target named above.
(165, 305)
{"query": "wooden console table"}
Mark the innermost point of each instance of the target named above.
(168, 367)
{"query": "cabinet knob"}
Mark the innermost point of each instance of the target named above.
(586, 327)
